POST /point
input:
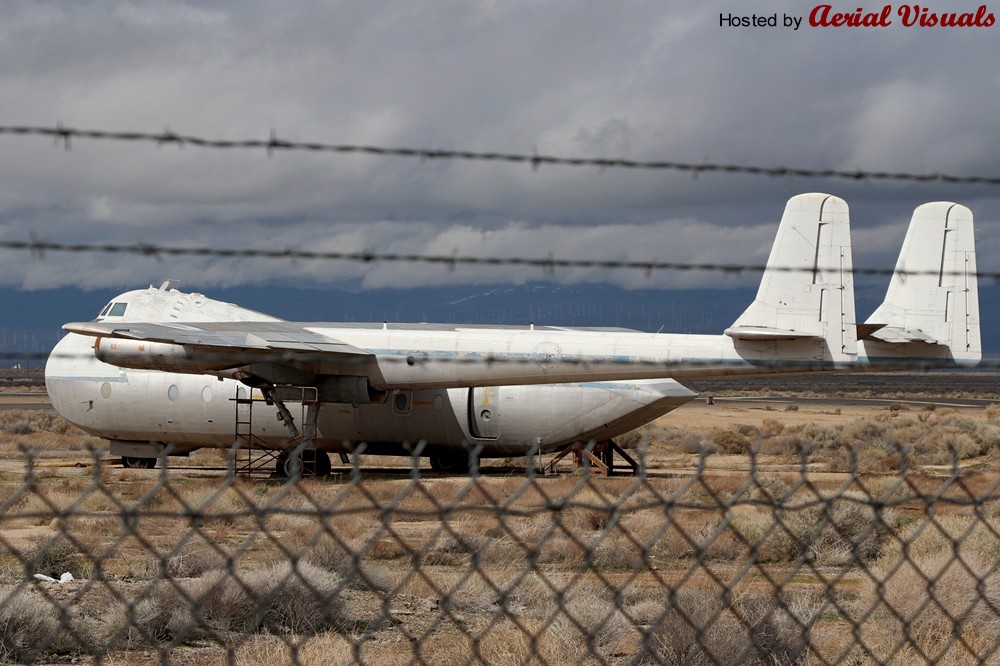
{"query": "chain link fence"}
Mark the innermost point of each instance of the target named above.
(394, 565)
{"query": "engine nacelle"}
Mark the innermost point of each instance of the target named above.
(167, 357)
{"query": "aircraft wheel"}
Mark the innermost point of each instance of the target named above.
(321, 463)
(280, 464)
(133, 462)
(313, 462)
(456, 463)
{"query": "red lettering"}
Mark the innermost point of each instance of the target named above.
(905, 12)
(818, 16)
(912, 15)
(823, 16)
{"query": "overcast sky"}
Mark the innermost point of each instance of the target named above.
(632, 79)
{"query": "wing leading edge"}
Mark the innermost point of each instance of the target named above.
(238, 337)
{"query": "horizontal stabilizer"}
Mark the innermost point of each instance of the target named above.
(762, 333)
(897, 335)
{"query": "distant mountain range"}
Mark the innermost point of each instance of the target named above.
(32, 318)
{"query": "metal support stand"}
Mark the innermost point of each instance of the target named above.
(602, 457)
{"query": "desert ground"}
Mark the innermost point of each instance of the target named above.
(832, 521)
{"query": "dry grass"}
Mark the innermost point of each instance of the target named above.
(699, 626)
(935, 608)
(29, 627)
(504, 571)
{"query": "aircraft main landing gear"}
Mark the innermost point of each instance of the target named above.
(455, 463)
(304, 462)
(132, 462)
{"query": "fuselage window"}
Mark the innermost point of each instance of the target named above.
(117, 310)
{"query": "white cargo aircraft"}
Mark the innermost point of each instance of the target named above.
(164, 372)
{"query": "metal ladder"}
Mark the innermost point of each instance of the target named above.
(249, 455)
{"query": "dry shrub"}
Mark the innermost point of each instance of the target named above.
(597, 622)
(938, 606)
(532, 641)
(191, 561)
(529, 596)
(753, 530)
(30, 626)
(160, 615)
(594, 519)
(55, 556)
(559, 549)
(282, 598)
(345, 558)
(731, 441)
(617, 551)
(698, 626)
(816, 436)
(770, 427)
(657, 530)
(583, 628)
(973, 536)
(843, 529)
(840, 530)
(690, 535)
(963, 444)
(770, 488)
(300, 599)
(694, 444)
(782, 445)
(989, 436)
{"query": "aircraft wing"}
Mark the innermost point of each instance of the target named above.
(275, 352)
(239, 337)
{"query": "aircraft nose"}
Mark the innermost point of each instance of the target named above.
(67, 370)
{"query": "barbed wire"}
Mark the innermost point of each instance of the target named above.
(547, 264)
(65, 135)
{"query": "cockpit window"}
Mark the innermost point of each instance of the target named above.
(105, 310)
(117, 309)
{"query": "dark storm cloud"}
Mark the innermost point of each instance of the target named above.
(643, 80)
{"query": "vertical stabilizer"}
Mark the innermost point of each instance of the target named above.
(807, 291)
(932, 306)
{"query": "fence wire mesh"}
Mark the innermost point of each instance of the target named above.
(717, 560)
